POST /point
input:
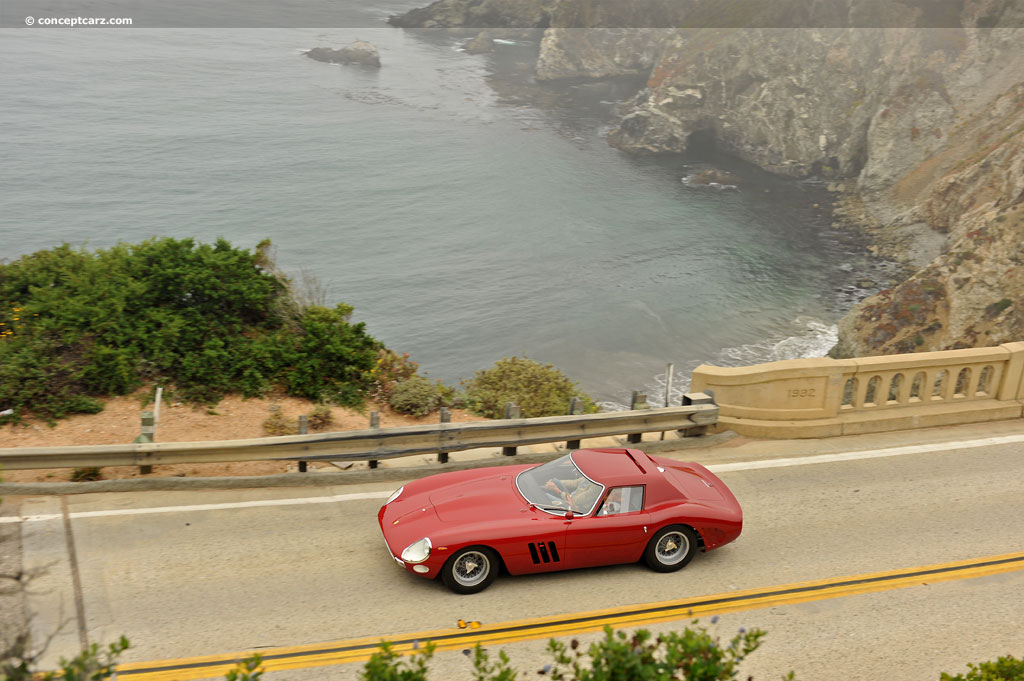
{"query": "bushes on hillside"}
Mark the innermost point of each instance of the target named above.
(538, 389)
(390, 370)
(209, 319)
(417, 395)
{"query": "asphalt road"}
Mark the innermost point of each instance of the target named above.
(206, 572)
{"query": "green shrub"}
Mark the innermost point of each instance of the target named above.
(86, 474)
(1006, 668)
(331, 359)
(389, 370)
(450, 397)
(277, 424)
(693, 654)
(208, 319)
(416, 395)
(248, 669)
(538, 389)
(320, 418)
(387, 665)
(485, 670)
(92, 664)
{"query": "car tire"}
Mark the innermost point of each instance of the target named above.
(671, 548)
(470, 570)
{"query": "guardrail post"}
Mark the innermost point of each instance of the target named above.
(669, 371)
(303, 429)
(374, 425)
(696, 398)
(639, 401)
(446, 417)
(575, 407)
(146, 431)
(511, 412)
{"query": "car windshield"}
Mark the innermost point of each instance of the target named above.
(559, 486)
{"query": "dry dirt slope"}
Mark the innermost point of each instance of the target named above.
(233, 418)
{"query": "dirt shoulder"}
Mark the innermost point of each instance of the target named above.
(232, 419)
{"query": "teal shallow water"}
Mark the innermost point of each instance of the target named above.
(464, 224)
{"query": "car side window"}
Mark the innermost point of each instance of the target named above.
(623, 500)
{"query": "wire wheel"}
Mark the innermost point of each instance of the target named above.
(470, 570)
(671, 548)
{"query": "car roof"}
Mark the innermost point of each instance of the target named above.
(613, 467)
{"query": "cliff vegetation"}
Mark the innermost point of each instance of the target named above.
(205, 319)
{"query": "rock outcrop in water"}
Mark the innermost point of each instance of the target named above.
(359, 52)
(914, 111)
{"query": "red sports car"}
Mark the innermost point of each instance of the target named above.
(590, 507)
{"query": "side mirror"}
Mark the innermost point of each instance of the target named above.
(569, 515)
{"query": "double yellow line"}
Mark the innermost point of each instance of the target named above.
(359, 650)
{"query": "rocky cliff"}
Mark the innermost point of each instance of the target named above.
(913, 111)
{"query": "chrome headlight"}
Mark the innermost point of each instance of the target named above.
(417, 552)
(394, 495)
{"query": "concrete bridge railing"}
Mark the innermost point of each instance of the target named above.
(825, 397)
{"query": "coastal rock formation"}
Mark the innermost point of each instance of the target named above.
(971, 294)
(926, 126)
(478, 14)
(739, 87)
(572, 53)
(359, 52)
(912, 111)
(708, 175)
(481, 44)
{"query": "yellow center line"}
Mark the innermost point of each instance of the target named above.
(360, 649)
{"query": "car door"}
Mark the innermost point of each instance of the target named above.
(536, 545)
(612, 534)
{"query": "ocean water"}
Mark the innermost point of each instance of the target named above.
(466, 212)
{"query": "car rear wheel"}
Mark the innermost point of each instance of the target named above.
(470, 570)
(671, 548)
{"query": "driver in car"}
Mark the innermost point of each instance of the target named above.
(579, 494)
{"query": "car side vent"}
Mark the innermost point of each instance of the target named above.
(541, 552)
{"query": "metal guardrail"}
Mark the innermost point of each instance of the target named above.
(372, 444)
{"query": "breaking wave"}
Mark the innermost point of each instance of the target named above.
(814, 339)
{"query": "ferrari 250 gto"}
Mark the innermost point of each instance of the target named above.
(591, 507)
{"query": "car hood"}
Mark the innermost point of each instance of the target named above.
(444, 503)
(494, 496)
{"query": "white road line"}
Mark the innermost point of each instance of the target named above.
(200, 507)
(866, 454)
(717, 468)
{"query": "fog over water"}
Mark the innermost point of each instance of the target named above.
(467, 213)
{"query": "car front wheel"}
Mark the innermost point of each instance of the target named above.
(671, 548)
(470, 570)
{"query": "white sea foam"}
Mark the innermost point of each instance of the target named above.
(814, 339)
(689, 181)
